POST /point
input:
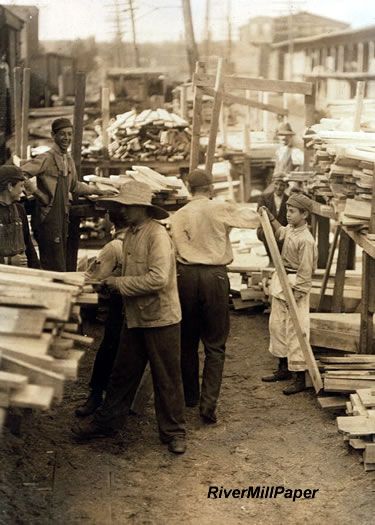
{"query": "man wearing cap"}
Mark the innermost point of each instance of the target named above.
(288, 157)
(16, 247)
(151, 330)
(275, 201)
(56, 181)
(200, 232)
(299, 255)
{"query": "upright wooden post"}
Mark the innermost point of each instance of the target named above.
(360, 94)
(17, 99)
(216, 108)
(25, 112)
(197, 122)
(183, 101)
(368, 290)
(327, 271)
(223, 126)
(247, 154)
(191, 46)
(105, 124)
(342, 263)
(79, 108)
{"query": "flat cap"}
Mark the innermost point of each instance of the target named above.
(61, 123)
(279, 175)
(300, 201)
(198, 178)
(10, 173)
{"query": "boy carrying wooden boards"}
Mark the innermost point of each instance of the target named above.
(299, 255)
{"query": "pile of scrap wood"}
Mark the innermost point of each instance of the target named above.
(39, 321)
(358, 426)
(166, 190)
(343, 167)
(149, 135)
(348, 373)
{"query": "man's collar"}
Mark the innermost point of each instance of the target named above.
(300, 228)
(138, 227)
(57, 150)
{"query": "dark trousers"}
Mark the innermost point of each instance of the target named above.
(52, 254)
(106, 354)
(161, 347)
(204, 296)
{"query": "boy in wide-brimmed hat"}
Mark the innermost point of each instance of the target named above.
(299, 255)
(151, 331)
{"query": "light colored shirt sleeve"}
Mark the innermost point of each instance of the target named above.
(106, 263)
(297, 157)
(235, 215)
(156, 276)
(280, 233)
(306, 267)
(31, 169)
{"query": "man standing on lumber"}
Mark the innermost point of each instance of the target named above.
(200, 232)
(151, 330)
(288, 157)
(16, 247)
(275, 201)
(56, 182)
(299, 255)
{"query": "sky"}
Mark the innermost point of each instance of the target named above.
(160, 20)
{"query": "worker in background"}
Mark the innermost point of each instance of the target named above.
(151, 331)
(107, 263)
(288, 156)
(200, 232)
(275, 201)
(56, 182)
(16, 247)
(299, 255)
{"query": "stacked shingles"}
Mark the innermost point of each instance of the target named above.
(39, 319)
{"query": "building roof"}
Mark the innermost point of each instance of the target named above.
(328, 38)
(9, 18)
(135, 71)
(331, 21)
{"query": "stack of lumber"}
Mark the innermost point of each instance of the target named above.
(166, 190)
(343, 165)
(147, 136)
(335, 331)
(344, 109)
(348, 373)
(358, 426)
(39, 320)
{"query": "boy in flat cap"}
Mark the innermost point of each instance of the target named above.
(16, 247)
(299, 255)
(56, 181)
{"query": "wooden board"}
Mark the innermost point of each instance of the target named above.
(367, 396)
(9, 380)
(68, 367)
(332, 402)
(357, 359)
(292, 306)
(32, 396)
(356, 425)
(369, 454)
(337, 384)
(81, 339)
(357, 443)
(21, 321)
(2, 419)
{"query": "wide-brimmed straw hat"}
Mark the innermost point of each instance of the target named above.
(135, 194)
(285, 129)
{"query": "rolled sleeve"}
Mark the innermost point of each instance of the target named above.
(156, 276)
(239, 216)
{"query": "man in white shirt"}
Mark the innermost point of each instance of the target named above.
(200, 232)
(288, 157)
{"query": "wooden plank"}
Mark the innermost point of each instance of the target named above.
(358, 407)
(255, 84)
(72, 278)
(356, 425)
(68, 367)
(82, 339)
(366, 340)
(367, 396)
(21, 321)
(332, 402)
(216, 108)
(359, 96)
(364, 242)
(357, 443)
(327, 271)
(25, 111)
(17, 99)
(337, 384)
(10, 380)
(292, 306)
(352, 359)
(196, 124)
(334, 340)
(369, 453)
(342, 262)
(239, 304)
(32, 396)
(35, 374)
(243, 101)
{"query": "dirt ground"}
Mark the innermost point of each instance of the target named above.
(262, 438)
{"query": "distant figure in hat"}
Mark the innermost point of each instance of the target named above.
(275, 201)
(16, 247)
(151, 330)
(200, 232)
(56, 182)
(299, 255)
(288, 156)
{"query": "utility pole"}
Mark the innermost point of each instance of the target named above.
(207, 33)
(118, 34)
(191, 46)
(135, 47)
(229, 34)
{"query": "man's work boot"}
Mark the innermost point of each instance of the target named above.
(281, 374)
(298, 385)
(93, 402)
(89, 429)
(177, 445)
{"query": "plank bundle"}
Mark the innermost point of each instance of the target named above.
(348, 373)
(358, 426)
(166, 190)
(39, 318)
(343, 165)
(147, 136)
